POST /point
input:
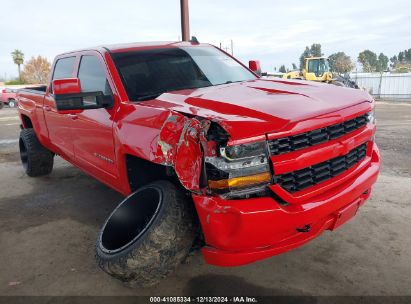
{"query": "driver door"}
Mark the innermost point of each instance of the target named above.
(93, 139)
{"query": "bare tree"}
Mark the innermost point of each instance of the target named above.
(36, 70)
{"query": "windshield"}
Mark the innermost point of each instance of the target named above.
(323, 67)
(148, 73)
(318, 66)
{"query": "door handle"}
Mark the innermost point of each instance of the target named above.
(47, 108)
(72, 116)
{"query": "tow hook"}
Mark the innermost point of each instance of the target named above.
(306, 228)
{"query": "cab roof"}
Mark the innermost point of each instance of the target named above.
(117, 48)
(134, 46)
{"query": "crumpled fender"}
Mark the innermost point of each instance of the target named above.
(181, 144)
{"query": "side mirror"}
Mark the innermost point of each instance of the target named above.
(68, 96)
(254, 65)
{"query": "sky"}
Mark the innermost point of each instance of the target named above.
(274, 32)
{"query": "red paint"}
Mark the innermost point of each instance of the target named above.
(254, 65)
(239, 232)
(171, 130)
(189, 158)
(345, 214)
(247, 110)
(66, 86)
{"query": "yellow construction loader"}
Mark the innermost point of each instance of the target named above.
(318, 69)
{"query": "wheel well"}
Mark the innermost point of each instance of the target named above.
(141, 172)
(27, 124)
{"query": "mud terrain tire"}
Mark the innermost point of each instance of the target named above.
(36, 159)
(157, 245)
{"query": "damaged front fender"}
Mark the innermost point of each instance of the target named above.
(181, 144)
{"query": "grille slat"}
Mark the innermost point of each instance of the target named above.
(317, 137)
(300, 141)
(315, 174)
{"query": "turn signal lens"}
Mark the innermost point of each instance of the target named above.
(238, 182)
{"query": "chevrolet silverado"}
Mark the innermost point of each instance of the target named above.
(209, 154)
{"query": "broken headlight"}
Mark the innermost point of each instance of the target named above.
(371, 116)
(371, 119)
(241, 168)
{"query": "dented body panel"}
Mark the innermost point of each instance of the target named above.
(253, 108)
(185, 130)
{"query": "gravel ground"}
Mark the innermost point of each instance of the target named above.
(48, 227)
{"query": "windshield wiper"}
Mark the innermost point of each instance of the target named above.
(230, 81)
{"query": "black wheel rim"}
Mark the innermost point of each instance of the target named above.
(130, 220)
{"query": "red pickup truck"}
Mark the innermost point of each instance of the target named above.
(209, 154)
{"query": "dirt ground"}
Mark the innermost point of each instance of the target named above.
(48, 227)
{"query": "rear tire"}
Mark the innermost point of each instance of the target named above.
(148, 235)
(12, 103)
(36, 159)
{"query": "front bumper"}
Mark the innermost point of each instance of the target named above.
(239, 232)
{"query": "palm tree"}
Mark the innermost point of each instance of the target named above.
(18, 58)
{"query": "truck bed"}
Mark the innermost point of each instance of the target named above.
(37, 89)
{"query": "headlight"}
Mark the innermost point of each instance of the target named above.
(243, 167)
(371, 119)
(243, 151)
(371, 116)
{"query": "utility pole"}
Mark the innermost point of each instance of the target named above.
(232, 46)
(185, 21)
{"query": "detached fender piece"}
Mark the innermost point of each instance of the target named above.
(180, 144)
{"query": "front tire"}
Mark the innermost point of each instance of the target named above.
(148, 235)
(36, 159)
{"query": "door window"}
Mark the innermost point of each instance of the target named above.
(313, 66)
(64, 68)
(92, 76)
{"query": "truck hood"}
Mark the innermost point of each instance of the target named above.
(256, 107)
